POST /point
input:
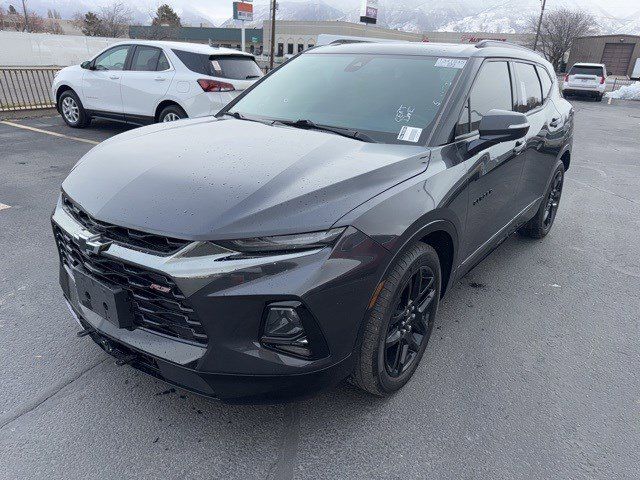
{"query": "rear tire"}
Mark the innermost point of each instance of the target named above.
(72, 111)
(398, 327)
(540, 225)
(172, 113)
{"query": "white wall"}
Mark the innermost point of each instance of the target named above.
(42, 49)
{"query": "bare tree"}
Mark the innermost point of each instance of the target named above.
(116, 19)
(558, 31)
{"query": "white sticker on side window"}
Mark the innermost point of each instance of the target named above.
(409, 134)
(451, 62)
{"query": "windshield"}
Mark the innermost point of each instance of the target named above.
(392, 99)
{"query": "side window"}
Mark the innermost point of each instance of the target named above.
(113, 59)
(546, 81)
(145, 59)
(163, 63)
(491, 89)
(529, 87)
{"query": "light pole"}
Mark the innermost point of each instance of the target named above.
(274, 5)
(535, 42)
(26, 20)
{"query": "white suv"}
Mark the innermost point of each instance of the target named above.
(142, 82)
(586, 79)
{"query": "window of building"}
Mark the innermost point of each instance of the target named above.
(280, 49)
(491, 89)
(300, 47)
(290, 48)
(529, 88)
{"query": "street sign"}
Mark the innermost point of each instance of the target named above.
(369, 11)
(254, 39)
(243, 11)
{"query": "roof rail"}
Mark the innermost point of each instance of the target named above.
(500, 43)
(329, 39)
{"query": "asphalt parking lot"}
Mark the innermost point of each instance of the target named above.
(533, 370)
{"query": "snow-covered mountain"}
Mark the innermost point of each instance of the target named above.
(500, 16)
(504, 16)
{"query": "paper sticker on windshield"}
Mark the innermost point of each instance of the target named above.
(451, 62)
(409, 134)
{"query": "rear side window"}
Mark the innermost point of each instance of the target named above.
(529, 87)
(234, 67)
(586, 70)
(148, 59)
(491, 89)
(545, 80)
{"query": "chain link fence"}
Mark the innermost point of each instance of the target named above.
(23, 88)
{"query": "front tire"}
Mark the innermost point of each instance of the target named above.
(399, 325)
(72, 111)
(172, 113)
(540, 225)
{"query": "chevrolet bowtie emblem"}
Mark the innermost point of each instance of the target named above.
(93, 244)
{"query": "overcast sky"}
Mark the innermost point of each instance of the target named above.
(221, 9)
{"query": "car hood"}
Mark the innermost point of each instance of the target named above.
(208, 179)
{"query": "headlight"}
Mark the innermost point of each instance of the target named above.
(284, 243)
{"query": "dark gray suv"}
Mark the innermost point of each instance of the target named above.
(307, 233)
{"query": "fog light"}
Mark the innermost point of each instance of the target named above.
(283, 330)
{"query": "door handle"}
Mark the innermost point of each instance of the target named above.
(114, 77)
(519, 148)
(159, 79)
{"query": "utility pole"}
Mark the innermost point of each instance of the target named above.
(243, 37)
(274, 6)
(535, 42)
(26, 20)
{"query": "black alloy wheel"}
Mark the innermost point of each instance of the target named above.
(409, 324)
(540, 225)
(553, 200)
(399, 323)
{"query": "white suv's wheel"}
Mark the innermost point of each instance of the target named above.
(171, 114)
(72, 110)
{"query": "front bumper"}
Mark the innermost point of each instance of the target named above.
(230, 296)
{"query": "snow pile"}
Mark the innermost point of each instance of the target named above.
(628, 92)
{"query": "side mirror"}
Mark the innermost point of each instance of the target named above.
(499, 126)
(86, 65)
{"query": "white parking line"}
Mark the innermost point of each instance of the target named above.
(4, 207)
(47, 132)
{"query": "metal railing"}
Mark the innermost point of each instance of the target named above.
(611, 83)
(23, 88)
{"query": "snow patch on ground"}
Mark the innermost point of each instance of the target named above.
(628, 92)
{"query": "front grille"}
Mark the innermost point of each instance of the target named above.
(165, 312)
(127, 237)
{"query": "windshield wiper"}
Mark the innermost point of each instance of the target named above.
(239, 116)
(345, 132)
